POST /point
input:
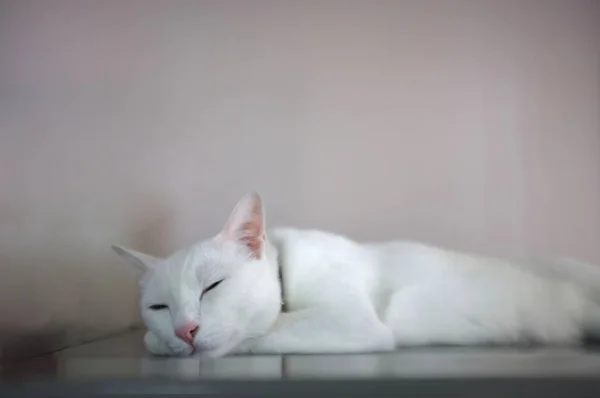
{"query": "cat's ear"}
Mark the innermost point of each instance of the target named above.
(140, 262)
(246, 224)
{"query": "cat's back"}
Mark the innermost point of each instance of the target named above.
(317, 263)
(316, 251)
(312, 241)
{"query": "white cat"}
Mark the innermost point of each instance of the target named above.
(299, 291)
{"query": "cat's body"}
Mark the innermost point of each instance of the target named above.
(341, 296)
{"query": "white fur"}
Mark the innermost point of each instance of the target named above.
(343, 297)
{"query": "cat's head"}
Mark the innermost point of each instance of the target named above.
(217, 293)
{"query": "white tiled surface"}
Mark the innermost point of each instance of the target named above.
(124, 357)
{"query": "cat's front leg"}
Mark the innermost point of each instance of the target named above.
(333, 330)
(157, 346)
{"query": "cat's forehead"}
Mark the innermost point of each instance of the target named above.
(203, 257)
(195, 266)
(186, 267)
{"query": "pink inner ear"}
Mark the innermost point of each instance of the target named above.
(246, 225)
(253, 236)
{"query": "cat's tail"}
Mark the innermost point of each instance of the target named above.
(578, 272)
(587, 276)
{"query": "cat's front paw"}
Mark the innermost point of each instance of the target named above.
(157, 346)
(257, 345)
(248, 347)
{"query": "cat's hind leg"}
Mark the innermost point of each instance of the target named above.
(419, 317)
(422, 315)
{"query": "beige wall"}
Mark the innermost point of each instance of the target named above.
(471, 124)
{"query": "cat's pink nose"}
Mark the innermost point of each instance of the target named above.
(187, 332)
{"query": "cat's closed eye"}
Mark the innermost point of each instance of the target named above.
(212, 286)
(158, 307)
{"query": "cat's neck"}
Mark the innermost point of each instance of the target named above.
(275, 305)
(273, 254)
(281, 283)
